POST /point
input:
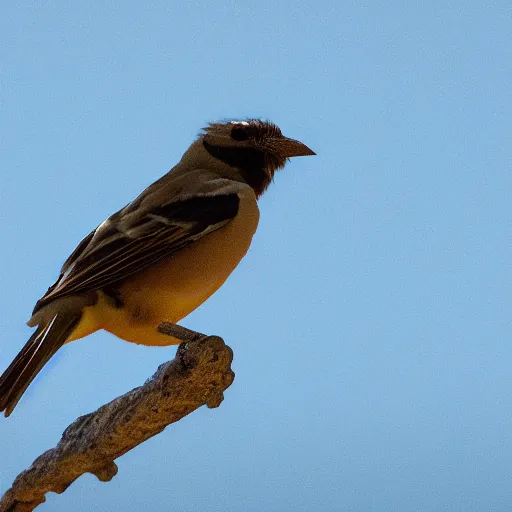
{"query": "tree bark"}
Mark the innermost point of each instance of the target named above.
(197, 376)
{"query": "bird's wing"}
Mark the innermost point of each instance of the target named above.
(143, 233)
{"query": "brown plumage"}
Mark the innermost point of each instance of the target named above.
(162, 255)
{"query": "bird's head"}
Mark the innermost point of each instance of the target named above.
(256, 148)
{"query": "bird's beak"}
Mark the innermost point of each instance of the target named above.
(289, 147)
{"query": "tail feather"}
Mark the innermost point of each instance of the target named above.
(38, 350)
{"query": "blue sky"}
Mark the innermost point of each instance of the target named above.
(370, 320)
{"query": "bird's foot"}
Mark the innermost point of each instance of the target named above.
(179, 332)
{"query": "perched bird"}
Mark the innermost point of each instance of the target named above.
(161, 256)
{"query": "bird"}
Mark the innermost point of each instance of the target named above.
(161, 256)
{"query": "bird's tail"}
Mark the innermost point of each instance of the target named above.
(38, 350)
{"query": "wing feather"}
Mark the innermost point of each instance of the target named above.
(117, 250)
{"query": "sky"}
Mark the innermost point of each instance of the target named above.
(370, 320)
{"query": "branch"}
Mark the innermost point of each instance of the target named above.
(198, 375)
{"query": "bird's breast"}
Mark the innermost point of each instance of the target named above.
(173, 288)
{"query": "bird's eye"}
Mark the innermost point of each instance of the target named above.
(239, 133)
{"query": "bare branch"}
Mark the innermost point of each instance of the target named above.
(197, 376)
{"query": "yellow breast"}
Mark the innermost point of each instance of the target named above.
(173, 288)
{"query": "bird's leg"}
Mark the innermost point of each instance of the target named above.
(179, 332)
